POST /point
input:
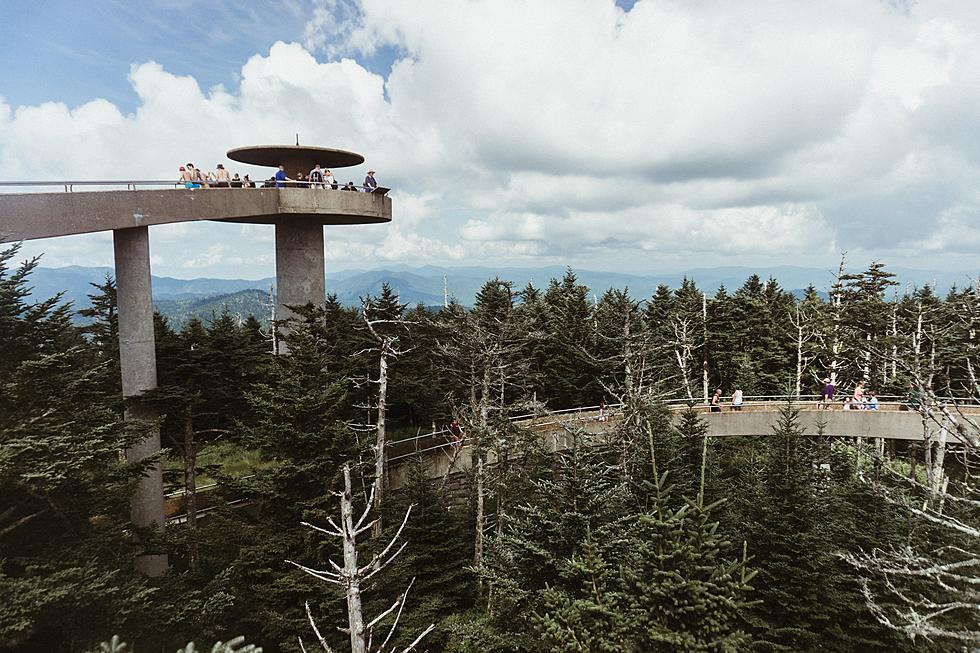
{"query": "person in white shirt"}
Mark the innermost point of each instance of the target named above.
(328, 180)
(737, 399)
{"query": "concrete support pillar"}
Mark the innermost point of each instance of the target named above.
(299, 264)
(138, 363)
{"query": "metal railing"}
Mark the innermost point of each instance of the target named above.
(69, 186)
(553, 418)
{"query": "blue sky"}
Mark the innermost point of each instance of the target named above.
(73, 52)
(633, 137)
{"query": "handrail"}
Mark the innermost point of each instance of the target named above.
(69, 185)
(748, 400)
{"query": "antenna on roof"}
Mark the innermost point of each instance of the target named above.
(297, 139)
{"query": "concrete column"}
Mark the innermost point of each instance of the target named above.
(138, 363)
(299, 264)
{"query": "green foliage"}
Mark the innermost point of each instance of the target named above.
(437, 556)
(65, 570)
(624, 545)
(236, 645)
(579, 568)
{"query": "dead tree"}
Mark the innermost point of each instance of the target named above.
(684, 346)
(704, 345)
(386, 334)
(636, 381)
(482, 350)
(802, 321)
(352, 576)
(932, 594)
(837, 319)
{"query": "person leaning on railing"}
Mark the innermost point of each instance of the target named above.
(369, 183)
(221, 178)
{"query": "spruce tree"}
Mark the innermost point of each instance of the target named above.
(66, 569)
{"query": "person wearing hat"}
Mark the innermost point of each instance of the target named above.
(827, 394)
(369, 183)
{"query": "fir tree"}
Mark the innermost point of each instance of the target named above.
(65, 574)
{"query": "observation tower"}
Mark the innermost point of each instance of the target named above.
(131, 207)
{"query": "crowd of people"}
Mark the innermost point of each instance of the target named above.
(862, 399)
(193, 177)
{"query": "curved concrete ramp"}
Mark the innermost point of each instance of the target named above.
(26, 216)
(890, 425)
(891, 422)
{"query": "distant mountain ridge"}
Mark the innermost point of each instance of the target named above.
(180, 298)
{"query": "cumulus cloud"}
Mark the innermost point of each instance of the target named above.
(572, 131)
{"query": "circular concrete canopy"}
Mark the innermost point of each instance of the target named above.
(295, 158)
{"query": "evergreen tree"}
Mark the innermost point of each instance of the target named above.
(298, 425)
(578, 568)
(571, 378)
(788, 527)
(66, 569)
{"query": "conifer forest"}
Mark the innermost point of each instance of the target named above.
(644, 536)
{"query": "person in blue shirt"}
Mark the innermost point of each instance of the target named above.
(872, 401)
(281, 177)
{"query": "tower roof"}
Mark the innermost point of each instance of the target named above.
(296, 158)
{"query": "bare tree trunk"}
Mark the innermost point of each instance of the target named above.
(799, 352)
(272, 322)
(867, 358)
(350, 576)
(917, 339)
(380, 459)
(481, 477)
(190, 489)
(682, 351)
(894, 361)
(480, 517)
(682, 363)
(355, 615)
(704, 345)
(837, 321)
(938, 459)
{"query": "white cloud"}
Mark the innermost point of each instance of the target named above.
(571, 131)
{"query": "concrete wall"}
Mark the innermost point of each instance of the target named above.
(838, 423)
(45, 215)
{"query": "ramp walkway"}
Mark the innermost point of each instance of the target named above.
(441, 454)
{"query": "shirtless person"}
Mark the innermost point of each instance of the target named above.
(221, 177)
(187, 176)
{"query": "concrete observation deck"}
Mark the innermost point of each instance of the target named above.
(27, 216)
(298, 213)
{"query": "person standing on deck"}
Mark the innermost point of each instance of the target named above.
(222, 178)
(716, 401)
(316, 177)
(827, 394)
(369, 183)
(281, 177)
(737, 400)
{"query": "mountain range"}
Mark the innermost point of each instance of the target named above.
(181, 298)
